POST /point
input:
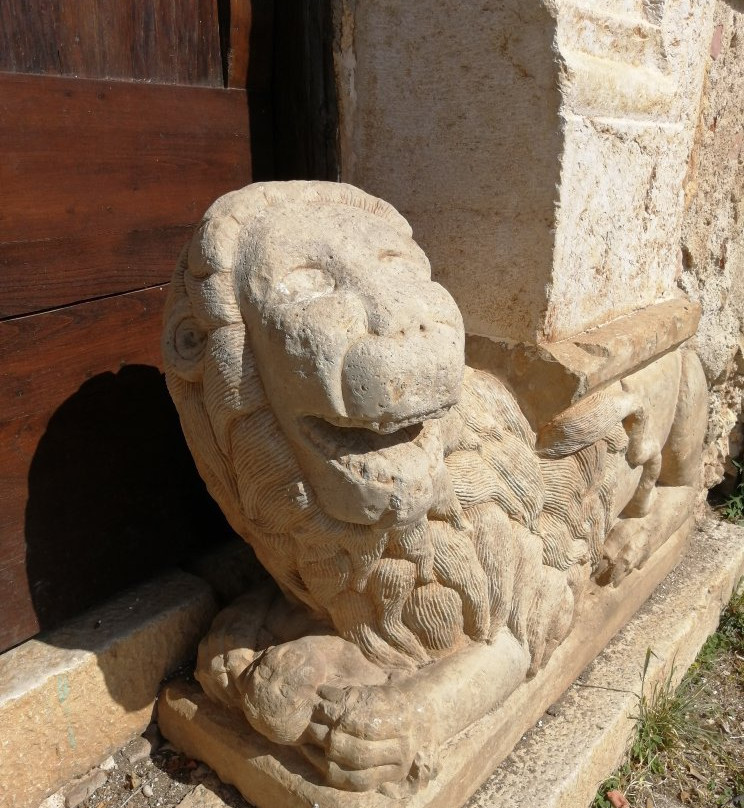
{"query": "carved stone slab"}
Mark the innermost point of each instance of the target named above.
(572, 368)
(268, 775)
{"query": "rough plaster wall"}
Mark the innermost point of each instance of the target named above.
(631, 85)
(713, 235)
(449, 111)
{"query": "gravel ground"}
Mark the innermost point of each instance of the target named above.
(148, 773)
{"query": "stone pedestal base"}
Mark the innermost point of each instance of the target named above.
(268, 775)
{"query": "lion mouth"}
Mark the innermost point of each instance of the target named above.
(339, 439)
(370, 477)
(391, 458)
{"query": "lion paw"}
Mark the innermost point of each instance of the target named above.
(627, 548)
(363, 737)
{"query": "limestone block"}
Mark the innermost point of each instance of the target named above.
(575, 367)
(537, 148)
(432, 550)
(451, 112)
(617, 230)
(201, 797)
(74, 695)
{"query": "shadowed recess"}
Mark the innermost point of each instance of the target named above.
(113, 495)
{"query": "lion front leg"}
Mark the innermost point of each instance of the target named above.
(361, 726)
(631, 542)
(679, 430)
(299, 685)
(342, 712)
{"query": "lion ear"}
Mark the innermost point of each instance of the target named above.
(184, 337)
(184, 343)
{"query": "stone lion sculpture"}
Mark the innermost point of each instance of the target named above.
(423, 537)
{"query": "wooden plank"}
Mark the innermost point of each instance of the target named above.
(64, 269)
(240, 32)
(18, 441)
(97, 488)
(45, 357)
(151, 40)
(250, 44)
(18, 621)
(111, 169)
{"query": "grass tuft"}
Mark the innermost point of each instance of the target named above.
(688, 742)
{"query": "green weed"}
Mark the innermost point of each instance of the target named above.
(732, 508)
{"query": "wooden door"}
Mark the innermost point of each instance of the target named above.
(119, 124)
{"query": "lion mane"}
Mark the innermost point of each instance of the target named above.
(512, 545)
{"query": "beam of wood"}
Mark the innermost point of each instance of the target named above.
(100, 182)
(240, 33)
(18, 441)
(150, 40)
(250, 44)
(19, 620)
(304, 96)
(64, 269)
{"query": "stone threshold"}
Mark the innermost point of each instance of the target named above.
(72, 696)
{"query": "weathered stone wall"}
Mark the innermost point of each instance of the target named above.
(713, 235)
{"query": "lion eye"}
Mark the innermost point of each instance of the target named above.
(305, 283)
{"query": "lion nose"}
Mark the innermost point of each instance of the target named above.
(392, 381)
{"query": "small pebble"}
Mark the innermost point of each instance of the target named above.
(147, 790)
(109, 764)
(137, 750)
(55, 801)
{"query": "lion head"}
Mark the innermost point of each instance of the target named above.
(354, 345)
